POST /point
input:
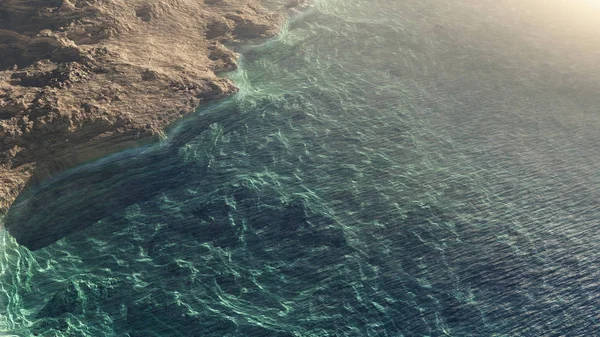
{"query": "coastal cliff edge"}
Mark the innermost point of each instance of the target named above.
(85, 78)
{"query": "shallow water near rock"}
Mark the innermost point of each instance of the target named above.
(388, 168)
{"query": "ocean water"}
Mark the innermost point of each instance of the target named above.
(388, 168)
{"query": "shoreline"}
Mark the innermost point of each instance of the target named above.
(94, 78)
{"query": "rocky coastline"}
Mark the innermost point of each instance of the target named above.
(81, 79)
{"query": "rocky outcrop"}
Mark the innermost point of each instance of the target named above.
(83, 79)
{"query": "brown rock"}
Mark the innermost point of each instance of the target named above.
(83, 79)
(220, 27)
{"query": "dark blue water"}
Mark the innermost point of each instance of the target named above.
(389, 168)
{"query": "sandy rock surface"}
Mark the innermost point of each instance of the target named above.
(84, 78)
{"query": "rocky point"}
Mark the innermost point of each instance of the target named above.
(81, 79)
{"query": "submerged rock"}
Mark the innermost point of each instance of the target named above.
(295, 7)
(81, 296)
(148, 315)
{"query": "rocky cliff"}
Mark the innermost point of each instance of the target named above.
(84, 78)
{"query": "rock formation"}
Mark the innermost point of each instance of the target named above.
(84, 78)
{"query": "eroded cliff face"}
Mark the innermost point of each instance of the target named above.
(84, 78)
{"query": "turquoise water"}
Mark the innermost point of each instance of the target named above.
(388, 168)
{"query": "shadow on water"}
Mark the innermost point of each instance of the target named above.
(289, 236)
(82, 196)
